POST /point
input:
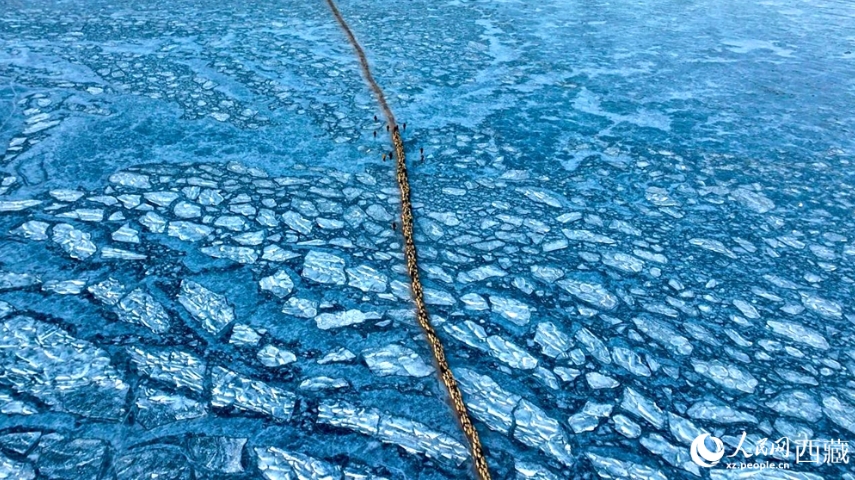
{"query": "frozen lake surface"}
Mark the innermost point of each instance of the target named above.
(635, 222)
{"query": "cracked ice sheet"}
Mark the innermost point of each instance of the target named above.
(534, 348)
(207, 307)
(70, 374)
(535, 155)
(230, 389)
(410, 435)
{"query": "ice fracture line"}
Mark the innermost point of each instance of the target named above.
(480, 462)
